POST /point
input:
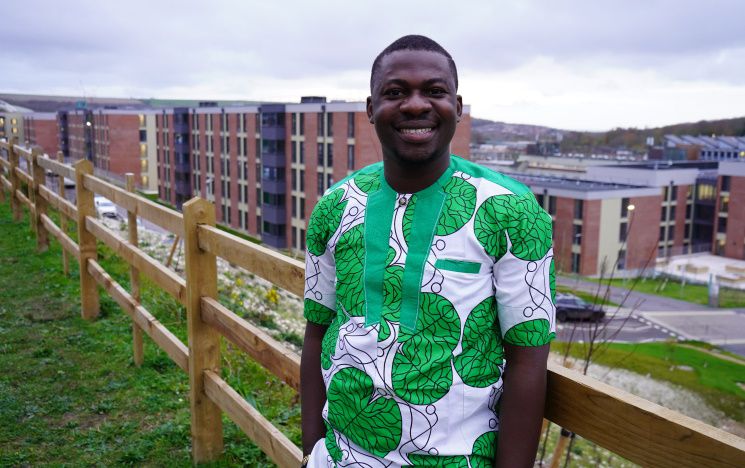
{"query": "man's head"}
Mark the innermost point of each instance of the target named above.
(413, 42)
(414, 103)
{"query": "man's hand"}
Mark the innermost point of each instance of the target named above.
(312, 389)
(521, 406)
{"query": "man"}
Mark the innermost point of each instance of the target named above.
(424, 274)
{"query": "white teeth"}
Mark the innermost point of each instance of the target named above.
(416, 131)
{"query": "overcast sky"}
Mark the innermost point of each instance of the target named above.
(568, 64)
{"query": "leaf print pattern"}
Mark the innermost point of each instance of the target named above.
(531, 333)
(372, 423)
(324, 221)
(317, 313)
(350, 257)
(479, 364)
(422, 373)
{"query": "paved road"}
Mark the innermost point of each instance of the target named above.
(653, 318)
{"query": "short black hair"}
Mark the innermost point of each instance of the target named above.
(413, 42)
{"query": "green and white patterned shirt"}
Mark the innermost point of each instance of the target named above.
(420, 291)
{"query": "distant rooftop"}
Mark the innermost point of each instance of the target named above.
(567, 183)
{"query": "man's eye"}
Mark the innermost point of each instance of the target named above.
(437, 92)
(395, 92)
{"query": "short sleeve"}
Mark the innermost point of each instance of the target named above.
(320, 266)
(524, 275)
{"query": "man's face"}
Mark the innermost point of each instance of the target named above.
(414, 106)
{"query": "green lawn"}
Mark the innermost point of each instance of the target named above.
(715, 379)
(696, 293)
(69, 391)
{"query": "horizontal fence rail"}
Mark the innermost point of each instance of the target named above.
(636, 429)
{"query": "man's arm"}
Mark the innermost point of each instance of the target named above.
(312, 388)
(521, 406)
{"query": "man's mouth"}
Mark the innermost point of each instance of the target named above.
(416, 131)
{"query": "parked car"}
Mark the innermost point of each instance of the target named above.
(571, 307)
(104, 207)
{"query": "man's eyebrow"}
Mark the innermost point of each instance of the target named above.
(402, 82)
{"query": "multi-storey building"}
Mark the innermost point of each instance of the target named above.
(598, 227)
(716, 148)
(40, 128)
(11, 125)
(116, 141)
(265, 166)
(729, 239)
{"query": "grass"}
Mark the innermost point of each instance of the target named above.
(674, 289)
(69, 391)
(715, 380)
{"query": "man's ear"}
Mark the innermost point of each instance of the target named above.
(370, 110)
(459, 106)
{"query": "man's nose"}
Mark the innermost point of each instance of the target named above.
(416, 104)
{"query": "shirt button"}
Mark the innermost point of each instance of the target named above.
(402, 201)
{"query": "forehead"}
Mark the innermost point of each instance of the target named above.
(414, 65)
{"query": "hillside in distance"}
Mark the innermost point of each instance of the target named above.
(635, 139)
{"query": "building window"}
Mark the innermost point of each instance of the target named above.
(722, 225)
(350, 157)
(578, 208)
(320, 154)
(724, 204)
(330, 154)
(350, 125)
(662, 233)
(575, 262)
(302, 180)
(622, 231)
(302, 208)
(621, 259)
(319, 121)
(577, 234)
(551, 205)
(302, 152)
(624, 207)
(725, 183)
(330, 124)
(687, 233)
(663, 214)
(320, 184)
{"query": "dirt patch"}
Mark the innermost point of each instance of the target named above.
(43, 310)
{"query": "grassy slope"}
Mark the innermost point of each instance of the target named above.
(695, 293)
(69, 391)
(716, 380)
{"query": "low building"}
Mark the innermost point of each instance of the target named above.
(40, 128)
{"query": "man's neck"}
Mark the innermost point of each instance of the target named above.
(406, 177)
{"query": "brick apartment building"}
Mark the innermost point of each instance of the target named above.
(116, 141)
(40, 128)
(265, 166)
(11, 125)
(729, 237)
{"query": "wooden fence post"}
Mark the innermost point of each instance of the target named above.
(134, 274)
(62, 216)
(89, 300)
(40, 203)
(204, 341)
(15, 203)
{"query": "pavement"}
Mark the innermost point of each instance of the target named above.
(652, 317)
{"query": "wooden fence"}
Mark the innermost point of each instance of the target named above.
(636, 429)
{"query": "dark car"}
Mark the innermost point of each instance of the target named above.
(569, 307)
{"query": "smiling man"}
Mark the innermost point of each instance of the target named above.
(429, 292)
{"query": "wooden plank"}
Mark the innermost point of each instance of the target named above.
(6, 183)
(634, 428)
(270, 439)
(134, 275)
(168, 219)
(172, 283)
(59, 168)
(4, 163)
(15, 184)
(204, 341)
(22, 151)
(89, 300)
(163, 337)
(25, 177)
(58, 203)
(40, 203)
(65, 241)
(270, 353)
(279, 269)
(24, 199)
(61, 207)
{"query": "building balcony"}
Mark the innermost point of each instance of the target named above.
(273, 213)
(278, 242)
(274, 186)
(183, 188)
(273, 159)
(273, 133)
(181, 128)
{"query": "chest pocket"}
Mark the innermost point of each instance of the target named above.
(458, 266)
